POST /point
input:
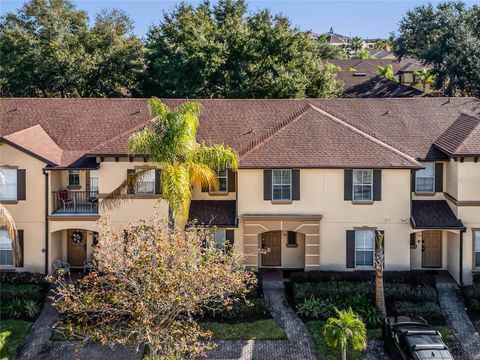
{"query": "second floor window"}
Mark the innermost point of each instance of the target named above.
(6, 252)
(146, 184)
(222, 176)
(73, 178)
(425, 179)
(476, 235)
(8, 184)
(364, 248)
(363, 185)
(281, 185)
(94, 180)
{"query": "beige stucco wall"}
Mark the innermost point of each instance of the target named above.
(451, 172)
(468, 180)
(453, 252)
(29, 214)
(322, 194)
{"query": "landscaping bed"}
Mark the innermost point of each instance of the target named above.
(252, 330)
(12, 333)
(471, 295)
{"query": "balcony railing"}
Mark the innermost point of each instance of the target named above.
(75, 202)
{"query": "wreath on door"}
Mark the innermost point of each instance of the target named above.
(77, 237)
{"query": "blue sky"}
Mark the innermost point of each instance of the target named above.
(353, 17)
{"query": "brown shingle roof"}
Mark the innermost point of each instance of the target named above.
(102, 126)
(462, 137)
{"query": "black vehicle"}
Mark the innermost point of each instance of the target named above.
(411, 338)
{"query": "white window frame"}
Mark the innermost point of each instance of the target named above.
(8, 182)
(421, 172)
(93, 175)
(362, 183)
(7, 246)
(281, 184)
(74, 172)
(141, 182)
(365, 249)
(476, 247)
(219, 177)
(217, 234)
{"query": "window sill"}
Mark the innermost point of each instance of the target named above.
(281, 202)
(364, 268)
(8, 201)
(425, 193)
(292, 245)
(74, 187)
(362, 202)
(218, 193)
(7, 268)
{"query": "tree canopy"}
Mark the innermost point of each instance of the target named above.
(446, 37)
(48, 49)
(222, 51)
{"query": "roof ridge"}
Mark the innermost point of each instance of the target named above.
(261, 138)
(364, 134)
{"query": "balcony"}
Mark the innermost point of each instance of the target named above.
(66, 202)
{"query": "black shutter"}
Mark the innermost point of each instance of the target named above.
(267, 184)
(231, 181)
(350, 249)
(377, 185)
(412, 181)
(347, 184)
(413, 240)
(230, 236)
(438, 177)
(20, 243)
(295, 184)
(131, 188)
(21, 184)
(158, 189)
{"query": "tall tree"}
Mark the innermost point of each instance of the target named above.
(224, 52)
(387, 72)
(379, 265)
(344, 329)
(48, 49)
(446, 37)
(325, 50)
(356, 44)
(172, 144)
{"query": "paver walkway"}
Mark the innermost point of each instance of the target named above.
(38, 346)
(298, 346)
(453, 309)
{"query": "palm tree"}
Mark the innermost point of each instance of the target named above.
(6, 220)
(379, 264)
(424, 77)
(356, 44)
(344, 329)
(387, 72)
(171, 142)
(362, 55)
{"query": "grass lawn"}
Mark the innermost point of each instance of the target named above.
(260, 329)
(12, 333)
(315, 327)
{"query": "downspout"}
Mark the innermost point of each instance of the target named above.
(46, 221)
(461, 256)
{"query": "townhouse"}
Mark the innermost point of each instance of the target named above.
(316, 179)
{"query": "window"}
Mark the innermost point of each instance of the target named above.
(363, 185)
(94, 180)
(219, 237)
(476, 235)
(73, 178)
(292, 238)
(425, 179)
(222, 176)
(146, 184)
(6, 252)
(364, 247)
(8, 184)
(281, 185)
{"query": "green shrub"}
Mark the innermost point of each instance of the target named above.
(402, 292)
(241, 310)
(472, 296)
(331, 290)
(30, 308)
(18, 308)
(22, 291)
(316, 309)
(430, 311)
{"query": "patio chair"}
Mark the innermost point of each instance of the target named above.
(65, 199)
(61, 267)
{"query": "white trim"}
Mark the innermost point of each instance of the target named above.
(282, 184)
(305, 225)
(256, 245)
(312, 234)
(362, 184)
(312, 254)
(251, 234)
(260, 225)
(312, 245)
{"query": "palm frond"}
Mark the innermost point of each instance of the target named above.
(217, 157)
(7, 221)
(119, 195)
(203, 174)
(157, 108)
(175, 182)
(142, 142)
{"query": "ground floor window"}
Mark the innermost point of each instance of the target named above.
(476, 235)
(6, 252)
(364, 248)
(219, 237)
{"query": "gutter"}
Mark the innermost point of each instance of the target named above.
(46, 221)
(461, 257)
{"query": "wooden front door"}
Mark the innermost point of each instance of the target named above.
(272, 241)
(77, 247)
(432, 249)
